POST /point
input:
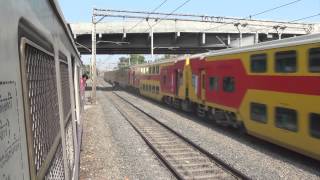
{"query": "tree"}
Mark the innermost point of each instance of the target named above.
(86, 70)
(123, 62)
(134, 59)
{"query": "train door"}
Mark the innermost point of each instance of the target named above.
(133, 79)
(203, 84)
(176, 82)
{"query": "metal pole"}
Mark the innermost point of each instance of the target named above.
(240, 33)
(151, 43)
(240, 40)
(256, 38)
(129, 60)
(94, 70)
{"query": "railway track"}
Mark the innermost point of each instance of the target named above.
(183, 158)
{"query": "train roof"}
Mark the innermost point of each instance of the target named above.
(56, 8)
(293, 41)
(175, 59)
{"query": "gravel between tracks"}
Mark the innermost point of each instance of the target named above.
(111, 149)
(245, 156)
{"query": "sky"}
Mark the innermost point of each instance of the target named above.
(80, 11)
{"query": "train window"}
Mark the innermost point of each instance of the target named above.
(228, 84)
(157, 89)
(286, 119)
(315, 125)
(258, 63)
(157, 70)
(258, 112)
(213, 83)
(314, 60)
(153, 89)
(180, 79)
(286, 61)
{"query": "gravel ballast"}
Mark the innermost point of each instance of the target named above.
(248, 156)
(111, 149)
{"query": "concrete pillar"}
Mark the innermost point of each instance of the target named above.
(240, 38)
(152, 43)
(203, 38)
(256, 38)
(229, 40)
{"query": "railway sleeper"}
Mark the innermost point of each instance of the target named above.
(199, 172)
(188, 154)
(177, 151)
(160, 138)
(193, 155)
(168, 143)
(207, 177)
(192, 166)
(174, 147)
(159, 135)
(188, 159)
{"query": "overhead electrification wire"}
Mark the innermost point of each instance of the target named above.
(154, 10)
(176, 9)
(259, 13)
(308, 17)
(272, 9)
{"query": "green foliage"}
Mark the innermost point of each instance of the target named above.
(86, 70)
(134, 59)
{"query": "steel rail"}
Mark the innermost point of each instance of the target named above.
(214, 158)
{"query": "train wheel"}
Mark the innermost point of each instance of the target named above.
(242, 129)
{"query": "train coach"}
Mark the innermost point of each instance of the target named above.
(40, 69)
(271, 90)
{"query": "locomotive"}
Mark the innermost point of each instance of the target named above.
(270, 90)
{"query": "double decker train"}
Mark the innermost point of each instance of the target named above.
(270, 90)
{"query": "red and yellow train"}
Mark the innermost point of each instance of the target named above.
(271, 90)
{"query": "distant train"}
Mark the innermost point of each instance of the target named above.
(271, 90)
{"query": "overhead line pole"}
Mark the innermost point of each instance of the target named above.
(93, 59)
